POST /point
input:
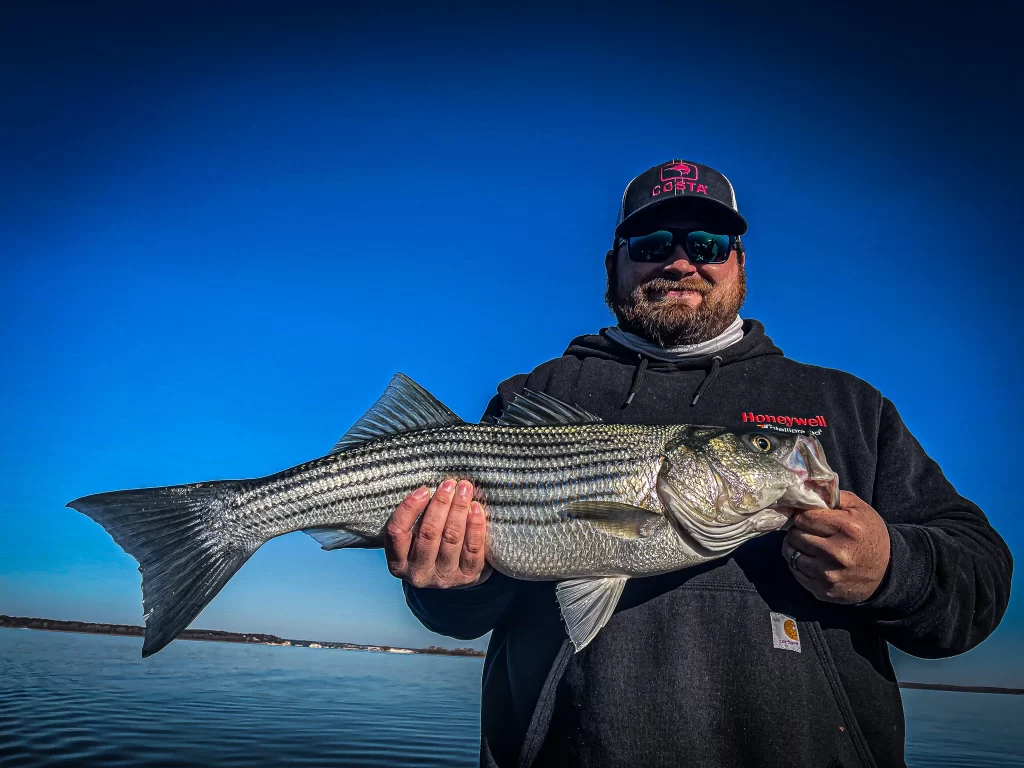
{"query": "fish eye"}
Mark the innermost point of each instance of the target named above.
(761, 443)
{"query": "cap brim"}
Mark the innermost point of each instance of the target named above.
(694, 211)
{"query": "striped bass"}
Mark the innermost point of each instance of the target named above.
(568, 498)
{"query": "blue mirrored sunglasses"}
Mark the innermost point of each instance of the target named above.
(700, 247)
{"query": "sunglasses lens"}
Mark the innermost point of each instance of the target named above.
(705, 248)
(653, 247)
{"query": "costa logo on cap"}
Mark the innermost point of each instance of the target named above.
(680, 189)
(678, 177)
(678, 170)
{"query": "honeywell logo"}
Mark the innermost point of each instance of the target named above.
(786, 421)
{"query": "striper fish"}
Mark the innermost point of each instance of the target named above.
(568, 498)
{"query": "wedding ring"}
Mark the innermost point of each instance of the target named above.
(794, 557)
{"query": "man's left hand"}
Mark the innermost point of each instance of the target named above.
(844, 551)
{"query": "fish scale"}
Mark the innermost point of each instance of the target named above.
(522, 475)
(567, 497)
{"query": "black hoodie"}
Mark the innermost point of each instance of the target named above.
(733, 663)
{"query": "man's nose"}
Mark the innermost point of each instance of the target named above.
(679, 262)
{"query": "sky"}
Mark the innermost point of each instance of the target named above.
(225, 228)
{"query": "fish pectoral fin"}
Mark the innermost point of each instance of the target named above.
(587, 605)
(536, 409)
(403, 407)
(622, 520)
(338, 538)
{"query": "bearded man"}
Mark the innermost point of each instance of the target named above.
(775, 655)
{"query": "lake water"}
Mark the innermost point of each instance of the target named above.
(71, 699)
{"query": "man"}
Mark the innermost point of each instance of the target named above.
(775, 655)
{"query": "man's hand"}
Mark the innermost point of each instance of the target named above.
(447, 548)
(844, 552)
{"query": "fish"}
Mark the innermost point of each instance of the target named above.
(568, 498)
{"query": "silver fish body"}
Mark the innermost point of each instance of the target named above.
(568, 498)
(526, 478)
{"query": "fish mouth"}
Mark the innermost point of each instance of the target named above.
(721, 528)
(817, 484)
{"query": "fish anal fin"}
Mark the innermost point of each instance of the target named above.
(616, 518)
(338, 538)
(587, 605)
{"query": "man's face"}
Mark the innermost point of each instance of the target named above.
(674, 301)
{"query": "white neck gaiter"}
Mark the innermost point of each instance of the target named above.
(726, 338)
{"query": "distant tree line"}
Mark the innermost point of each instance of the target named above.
(211, 635)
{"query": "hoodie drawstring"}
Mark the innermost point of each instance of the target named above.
(716, 364)
(638, 377)
(641, 369)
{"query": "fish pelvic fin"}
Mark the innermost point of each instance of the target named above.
(405, 406)
(176, 533)
(587, 605)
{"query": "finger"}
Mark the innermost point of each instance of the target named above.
(788, 553)
(850, 500)
(404, 517)
(821, 522)
(824, 582)
(427, 539)
(819, 547)
(807, 569)
(398, 531)
(471, 562)
(807, 543)
(449, 552)
(815, 586)
(789, 550)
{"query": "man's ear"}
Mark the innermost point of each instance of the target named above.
(609, 263)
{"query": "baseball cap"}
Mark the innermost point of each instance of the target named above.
(680, 192)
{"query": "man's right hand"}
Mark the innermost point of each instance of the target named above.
(447, 548)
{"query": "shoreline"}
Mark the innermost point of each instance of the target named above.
(963, 688)
(221, 636)
(256, 638)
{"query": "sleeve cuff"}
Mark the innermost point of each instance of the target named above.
(908, 577)
(460, 599)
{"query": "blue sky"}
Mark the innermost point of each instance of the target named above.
(224, 232)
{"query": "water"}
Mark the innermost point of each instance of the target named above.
(67, 699)
(72, 699)
(980, 730)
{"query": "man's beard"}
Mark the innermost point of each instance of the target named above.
(669, 323)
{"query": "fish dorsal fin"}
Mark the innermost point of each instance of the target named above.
(622, 520)
(535, 409)
(403, 407)
(586, 605)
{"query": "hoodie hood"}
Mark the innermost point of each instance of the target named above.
(755, 343)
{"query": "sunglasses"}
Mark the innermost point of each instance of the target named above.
(700, 247)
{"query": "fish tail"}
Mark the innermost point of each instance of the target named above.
(178, 535)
